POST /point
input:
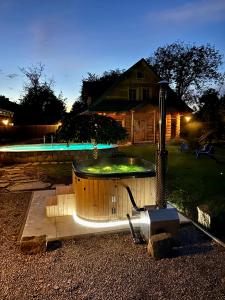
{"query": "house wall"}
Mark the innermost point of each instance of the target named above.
(146, 125)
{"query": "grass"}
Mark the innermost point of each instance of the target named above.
(203, 179)
(58, 173)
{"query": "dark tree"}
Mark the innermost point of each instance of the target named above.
(94, 85)
(212, 112)
(187, 67)
(84, 128)
(78, 107)
(39, 105)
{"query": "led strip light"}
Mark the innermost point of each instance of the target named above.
(93, 224)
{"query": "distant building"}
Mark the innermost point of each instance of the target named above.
(132, 100)
(6, 117)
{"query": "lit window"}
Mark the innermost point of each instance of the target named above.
(121, 122)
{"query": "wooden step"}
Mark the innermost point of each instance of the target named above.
(60, 205)
(51, 200)
(66, 204)
(51, 204)
(63, 190)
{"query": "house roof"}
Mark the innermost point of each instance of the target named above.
(116, 105)
(96, 88)
(101, 104)
(6, 113)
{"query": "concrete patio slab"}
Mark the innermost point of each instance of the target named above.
(37, 223)
(64, 227)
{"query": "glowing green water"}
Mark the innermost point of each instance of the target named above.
(113, 169)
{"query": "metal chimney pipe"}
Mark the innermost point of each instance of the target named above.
(162, 153)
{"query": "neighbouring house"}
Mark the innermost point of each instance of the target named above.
(8, 110)
(6, 117)
(132, 100)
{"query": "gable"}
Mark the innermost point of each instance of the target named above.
(136, 86)
(140, 77)
(137, 79)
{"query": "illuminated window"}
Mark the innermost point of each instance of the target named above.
(121, 122)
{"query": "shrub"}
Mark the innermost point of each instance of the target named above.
(184, 202)
(84, 128)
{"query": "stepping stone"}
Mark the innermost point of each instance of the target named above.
(19, 178)
(25, 180)
(10, 174)
(4, 184)
(33, 244)
(160, 245)
(14, 170)
(36, 185)
(3, 180)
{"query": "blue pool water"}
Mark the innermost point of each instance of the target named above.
(53, 147)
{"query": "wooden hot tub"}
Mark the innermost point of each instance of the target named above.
(100, 190)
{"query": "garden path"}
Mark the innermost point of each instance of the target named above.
(23, 177)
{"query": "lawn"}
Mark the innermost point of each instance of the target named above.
(201, 180)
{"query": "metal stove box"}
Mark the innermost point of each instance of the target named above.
(153, 221)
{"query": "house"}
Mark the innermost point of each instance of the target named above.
(7, 111)
(6, 117)
(132, 100)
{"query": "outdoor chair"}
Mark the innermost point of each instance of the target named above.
(184, 147)
(206, 150)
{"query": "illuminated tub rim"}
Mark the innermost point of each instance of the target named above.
(77, 165)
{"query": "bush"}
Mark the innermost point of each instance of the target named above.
(84, 128)
(184, 203)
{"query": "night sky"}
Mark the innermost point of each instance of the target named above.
(73, 37)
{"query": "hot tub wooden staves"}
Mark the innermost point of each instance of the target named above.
(105, 199)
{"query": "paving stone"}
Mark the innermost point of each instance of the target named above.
(35, 185)
(160, 245)
(3, 180)
(25, 181)
(33, 244)
(14, 170)
(19, 178)
(15, 174)
(4, 184)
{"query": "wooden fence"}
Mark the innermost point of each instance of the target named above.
(34, 133)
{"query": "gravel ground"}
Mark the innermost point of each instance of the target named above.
(107, 266)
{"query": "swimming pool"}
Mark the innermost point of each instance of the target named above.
(52, 152)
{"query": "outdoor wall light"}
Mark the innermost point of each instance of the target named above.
(5, 122)
(188, 118)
